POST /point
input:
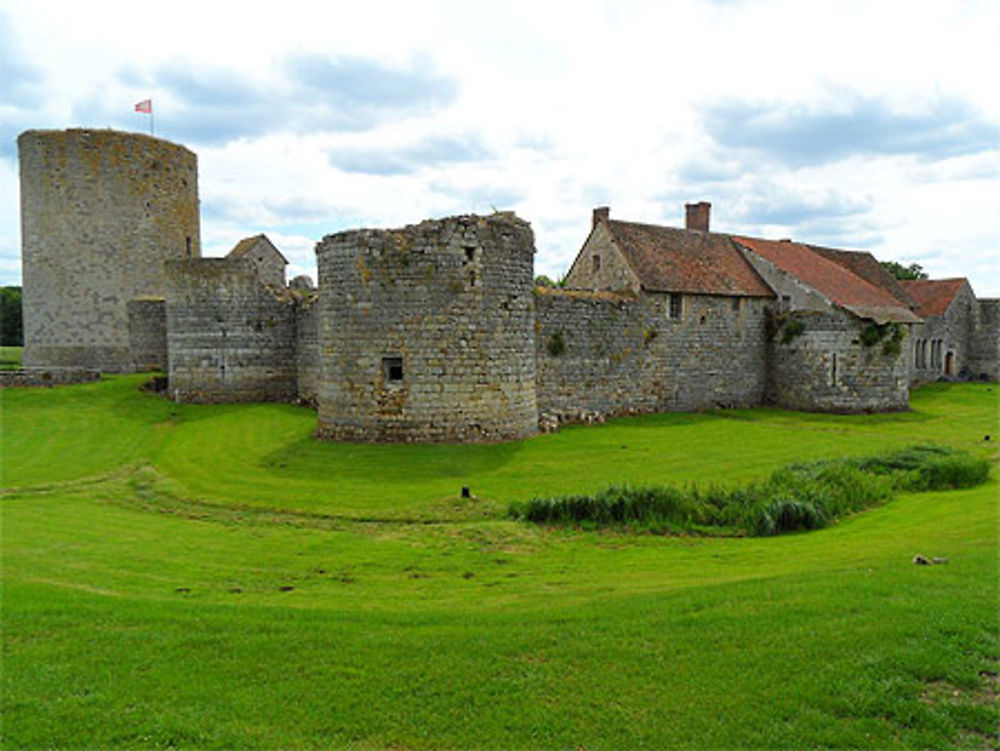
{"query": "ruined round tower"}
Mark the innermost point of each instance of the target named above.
(426, 334)
(100, 213)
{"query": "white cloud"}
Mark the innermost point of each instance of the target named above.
(547, 108)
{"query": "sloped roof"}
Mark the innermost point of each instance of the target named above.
(833, 279)
(676, 260)
(866, 266)
(247, 244)
(934, 295)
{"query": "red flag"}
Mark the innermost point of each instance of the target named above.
(146, 105)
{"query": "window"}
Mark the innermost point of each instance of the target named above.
(786, 302)
(392, 370)
(736, 304)
(188, 240)
(675, 305)
(833, 370)
(595, 262)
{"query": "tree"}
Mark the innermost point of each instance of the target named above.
(898, 270)
(11, 325)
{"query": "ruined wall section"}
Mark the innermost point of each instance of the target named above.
(818, 363)
(100, 213)
(307, 360)
(147, 333)
(229, 338)
(426, 333)
(984, 346)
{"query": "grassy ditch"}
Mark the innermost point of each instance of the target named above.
(797, 497)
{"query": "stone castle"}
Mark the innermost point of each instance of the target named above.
(437, 332)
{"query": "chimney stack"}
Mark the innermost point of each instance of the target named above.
(601, 214)
(696, 215)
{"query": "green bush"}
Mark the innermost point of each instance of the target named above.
(797, 497)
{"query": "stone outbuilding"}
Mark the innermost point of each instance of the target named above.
(839, 335)
(269, 262)
(959, 337)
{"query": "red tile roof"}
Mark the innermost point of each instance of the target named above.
(933, 295)
(676, 260)
(868, 268)
(834, 280)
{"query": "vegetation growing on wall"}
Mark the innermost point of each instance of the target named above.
(890, 334)
(556, 345)
(789, 327)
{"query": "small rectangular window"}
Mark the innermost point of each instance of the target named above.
(595, 262)
(736, 304)
(392, 369)
(675, 305)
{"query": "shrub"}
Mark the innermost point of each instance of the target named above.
(792, 330)
(787, 515)
(797, 497)
(556, 345)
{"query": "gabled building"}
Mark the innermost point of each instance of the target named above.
(796, 325)
(959, 337)
(266, 258)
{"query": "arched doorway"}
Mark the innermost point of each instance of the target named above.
(949, 363)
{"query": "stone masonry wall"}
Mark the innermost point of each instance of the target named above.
(984, 357)
(620, 355)
(307, 358)
(426, 332)
(939, 347)
(588, 349)
(100, 213)
(826, 368)
(714, 355)
(47, 377)
(229, 338)
(600, 266)
(147, 333)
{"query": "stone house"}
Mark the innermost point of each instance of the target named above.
(840, 331)
(266, 258)
(685, 331)
(958, 336)
(737, 320)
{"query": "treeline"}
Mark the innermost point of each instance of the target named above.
(11, 322)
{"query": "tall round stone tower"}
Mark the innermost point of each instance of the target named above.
(426, 334)
(100, 213)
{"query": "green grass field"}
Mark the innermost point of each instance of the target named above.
(211, 577)
(10, 358)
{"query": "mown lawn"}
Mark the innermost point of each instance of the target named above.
(212, 577)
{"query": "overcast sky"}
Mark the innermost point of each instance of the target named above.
(862, 125)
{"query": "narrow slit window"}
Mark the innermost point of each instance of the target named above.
(676, 306)
(392, 369)
(595, 262)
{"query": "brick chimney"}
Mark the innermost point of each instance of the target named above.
(601, 214)
(696, 215)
